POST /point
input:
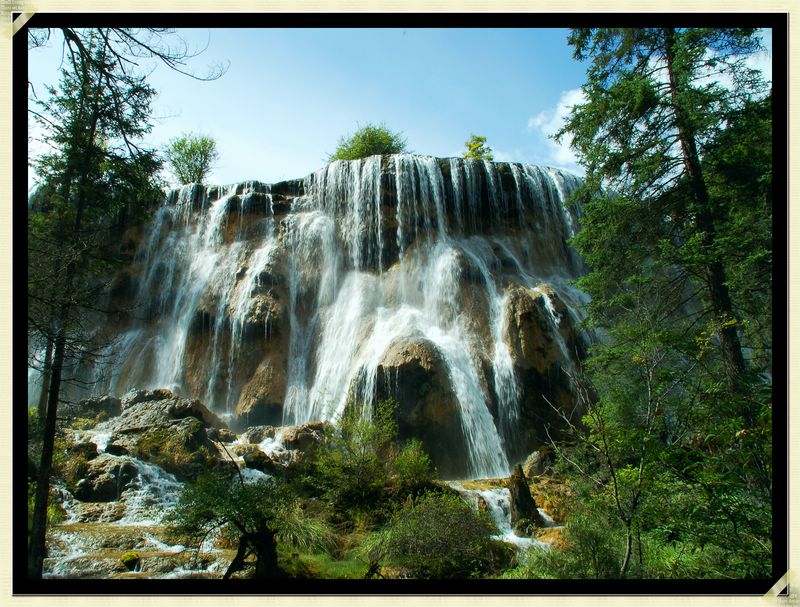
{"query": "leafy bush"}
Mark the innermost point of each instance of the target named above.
(361, 468)
(441, 536)
(367, 141)
(413, 468)
(592, 549)
(191, 157)
(477, 148)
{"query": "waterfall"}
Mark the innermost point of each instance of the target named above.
(339, 266)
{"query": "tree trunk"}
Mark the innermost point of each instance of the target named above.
(719, 295)
(238, 561)
(46, 372)
(37, 540)
(628, 549)
(266, 555)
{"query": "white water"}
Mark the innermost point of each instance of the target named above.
(353, 288)
(498, 504)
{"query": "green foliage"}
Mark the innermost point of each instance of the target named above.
(440, 536)
(262, 514)
(360, 467)
(130, 560)
(191, 157)
(367, 141)
(413, 468)
(477, 148)
(55, 511)
(673, 453)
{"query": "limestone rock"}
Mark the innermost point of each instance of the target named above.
(304, 436)
(162, 428)
(258, 434)
(413, 372)
(106, 478)
(261, 399)
(524, 513)
(102, 406)
(537, 462)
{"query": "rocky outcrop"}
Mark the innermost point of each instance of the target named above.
(162, 428)
(105, 479)
(543, 340)
(413, 372)
(524, 514)
(101, 407)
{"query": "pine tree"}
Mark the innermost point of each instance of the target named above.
(675, 134)
(95, 176)
(655, 102)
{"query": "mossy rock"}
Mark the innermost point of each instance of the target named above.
(130, 560)
(181, 448)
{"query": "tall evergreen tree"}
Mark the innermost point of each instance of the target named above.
(675, 134)
(95, 175)
(657, 99)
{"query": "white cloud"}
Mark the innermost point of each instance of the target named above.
(547, 124)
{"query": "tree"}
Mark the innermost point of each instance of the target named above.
(191, 157)
(90, 181)
(440, 536)
(477, 148)
(367, 141)
(125, 47)
(262, 513)
(655, 103)
(676, 232)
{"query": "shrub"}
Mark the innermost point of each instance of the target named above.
(191, 157)
(367, 141)
(413, 468)
(441, 536)
(477, 148)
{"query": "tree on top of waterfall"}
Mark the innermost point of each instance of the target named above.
(369, 140)
(477, 148)
(678, 420)
(191, 157)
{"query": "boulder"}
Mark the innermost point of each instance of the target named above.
(147, 407)
(524, 513)
(537, 462)
(221, 435)
(87, 450)
(162, 428)
(258, 434)
(413, 372)
(101, 407)
(105, 479)
(304, 436)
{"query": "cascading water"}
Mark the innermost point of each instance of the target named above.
(336, 269)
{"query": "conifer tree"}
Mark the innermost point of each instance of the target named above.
(95, 175)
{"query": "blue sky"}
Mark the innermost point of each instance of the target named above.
(290, 94)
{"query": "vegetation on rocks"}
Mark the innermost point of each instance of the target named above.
(369, 140)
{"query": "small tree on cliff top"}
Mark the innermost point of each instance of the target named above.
(367, 141)
(191, 157)
(477, 148)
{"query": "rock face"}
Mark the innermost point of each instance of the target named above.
(543, 342)
(162, 428)
(442, 282)
(413, 372)
(105, 480)
(524, 513)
